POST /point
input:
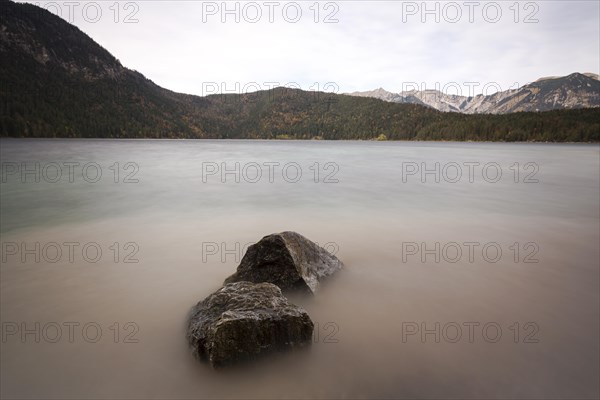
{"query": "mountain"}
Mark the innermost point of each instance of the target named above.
(58, 82)
(550, 93)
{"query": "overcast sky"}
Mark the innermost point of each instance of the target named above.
(197, 47)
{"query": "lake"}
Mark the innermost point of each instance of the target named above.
(472, 269)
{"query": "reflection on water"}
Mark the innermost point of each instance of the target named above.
(522, 323)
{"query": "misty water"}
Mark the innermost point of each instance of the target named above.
(483, 284)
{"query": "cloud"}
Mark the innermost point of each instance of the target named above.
(186, 45)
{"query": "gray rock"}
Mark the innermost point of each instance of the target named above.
(287, 259)
(244, 320)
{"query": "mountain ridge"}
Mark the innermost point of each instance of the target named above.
(576, 90)
(58, 82)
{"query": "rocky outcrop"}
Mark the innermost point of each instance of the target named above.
(244, 320)
(288, 260)
(552, 93)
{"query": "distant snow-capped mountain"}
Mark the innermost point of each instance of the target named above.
(549, 93)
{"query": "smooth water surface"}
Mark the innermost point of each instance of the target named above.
(476, 286)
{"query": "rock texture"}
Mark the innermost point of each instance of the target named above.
(244, 320)
(552, 93)
(287, 259)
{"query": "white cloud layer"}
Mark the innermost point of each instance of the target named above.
(195, 46)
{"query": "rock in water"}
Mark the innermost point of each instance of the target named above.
(243, 320)
(287, 259)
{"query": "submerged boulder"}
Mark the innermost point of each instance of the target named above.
(287, 259)
(244, 320)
